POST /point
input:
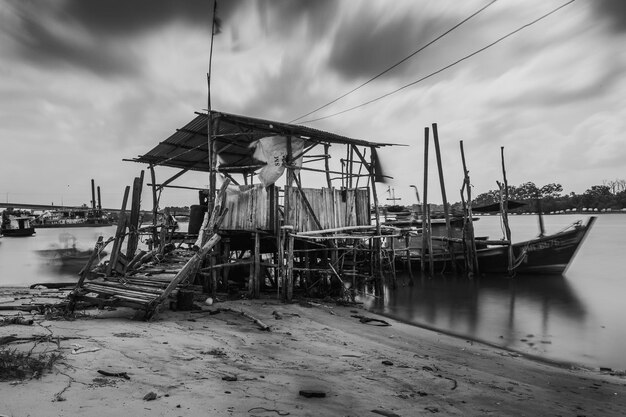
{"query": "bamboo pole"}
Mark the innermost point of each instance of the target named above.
(327, 165)
(446, 208)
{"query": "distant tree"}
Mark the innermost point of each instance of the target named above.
(615, 186)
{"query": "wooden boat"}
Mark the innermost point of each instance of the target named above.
(16, 223)
(70, 259)
(544, 255)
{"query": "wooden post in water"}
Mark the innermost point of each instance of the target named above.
(446, 211)
(431, 261)
(407, 242)
(473, 260)
(505, 215)
(425, 230)
(378, 261)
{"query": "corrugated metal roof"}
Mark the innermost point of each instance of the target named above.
(187, 148)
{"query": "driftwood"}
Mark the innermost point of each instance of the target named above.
(256, 321)
(114, 374)
(5, 321)
(5, 340)
(366, 320)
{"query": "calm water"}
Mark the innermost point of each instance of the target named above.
(22, 263)
(577, 318)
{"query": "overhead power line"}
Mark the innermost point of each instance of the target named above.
(444, 68)
(397, 63)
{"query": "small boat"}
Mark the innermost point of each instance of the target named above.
(67, 258)
(16, 223)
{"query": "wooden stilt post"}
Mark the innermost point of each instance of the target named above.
(280, 270)
(214, 272)
(446, 209)
(226, 254)
(425, 229)
(392, 261)
(133, 236)
(469, 218)
(257, 265)
(289, 283)
(431, 263)
(505, 215)
(376, 242)
(407, 242)
(120, 233)
(155, 207)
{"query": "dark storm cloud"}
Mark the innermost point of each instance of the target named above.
(366, 46)
(101, 31)
(39, 44)
(615, 11)
(125, 17)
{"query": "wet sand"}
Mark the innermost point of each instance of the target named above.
(221, 363)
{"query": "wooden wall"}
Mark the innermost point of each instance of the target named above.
(251, 207)
(333, 208)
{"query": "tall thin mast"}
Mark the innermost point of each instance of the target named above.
(211, 196)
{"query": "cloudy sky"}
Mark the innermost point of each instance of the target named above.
(86, 83)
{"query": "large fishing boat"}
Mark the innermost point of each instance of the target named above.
(16, 223)
(543, 255)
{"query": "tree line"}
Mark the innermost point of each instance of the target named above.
(610, 196)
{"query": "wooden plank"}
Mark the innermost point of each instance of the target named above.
(119, 233)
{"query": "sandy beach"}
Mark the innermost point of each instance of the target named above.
(316, 359)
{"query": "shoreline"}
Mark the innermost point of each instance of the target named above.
(216, 361)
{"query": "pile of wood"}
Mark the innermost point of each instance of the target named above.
(150, 278)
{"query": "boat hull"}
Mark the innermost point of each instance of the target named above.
(71, 225)
(28, 231)
(549, 255)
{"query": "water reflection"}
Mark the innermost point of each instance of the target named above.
(524, 313)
